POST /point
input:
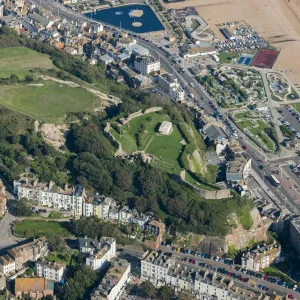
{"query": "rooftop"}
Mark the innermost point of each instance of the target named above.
(33, 183)
(169, 77)
(51, 264)
(33, 284)
(146, 59)
(6, 259)
(138, 49)
(95, 243)
(112, 277)
(214, 132)
(39, 19)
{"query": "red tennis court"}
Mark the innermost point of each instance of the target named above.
(265, 58)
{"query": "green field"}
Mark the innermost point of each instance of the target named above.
(20, 58)
(296, 106)
(166, 148)
(49, 102)
(37, 228)
(226, 58)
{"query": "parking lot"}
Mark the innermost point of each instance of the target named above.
(291, 119)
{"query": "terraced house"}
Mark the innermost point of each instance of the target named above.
(51, 195)
(16, 257)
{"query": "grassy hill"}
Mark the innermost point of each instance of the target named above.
(49, 101)
(140, 134)
(20, 61)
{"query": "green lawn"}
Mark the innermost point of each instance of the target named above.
(50, 101)
(128, 132)
(296, 106)
(20, 73)
(226, 58)
(65, 257)
(166, 148)
(245, 123)
(191, 180)
(37, 228)
(23, 58)
(241, 115)
(261, 126)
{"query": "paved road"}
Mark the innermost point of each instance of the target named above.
(6, 237)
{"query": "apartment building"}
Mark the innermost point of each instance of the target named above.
(50, 270)
(146, 64)
(7, 265)
(156, 227)
(177, 93)
(51, 195)
(170, 85)
(99, 206)
(161, 270)
(261, 257)
(104, 251)
(167, 82)
(295, 234)
(31, 251)
(114, 282)
(3, 199)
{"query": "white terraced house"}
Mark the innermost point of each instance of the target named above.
(51, 195)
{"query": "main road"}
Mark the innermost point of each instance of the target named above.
(201, 97)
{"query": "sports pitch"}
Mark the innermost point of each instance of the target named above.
(49, 101)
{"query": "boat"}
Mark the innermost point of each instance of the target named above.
(118, 13)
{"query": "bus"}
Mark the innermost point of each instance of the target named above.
(275, 181)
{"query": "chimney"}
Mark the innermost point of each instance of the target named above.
(51, 185)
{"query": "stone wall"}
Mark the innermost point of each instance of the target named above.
(109, 136)
(139, 113)
(217, 194)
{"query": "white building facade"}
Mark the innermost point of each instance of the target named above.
(53, 271)
(7, 265)
(105, 251)
(146, 65)
(51, 195)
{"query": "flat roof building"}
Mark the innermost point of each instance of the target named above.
(239, 168)
(137, 49)
(146, 64)
(165, 128)
(295, 234)
(114, 282)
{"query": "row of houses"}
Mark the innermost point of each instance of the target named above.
(78, 202)
(161, 270)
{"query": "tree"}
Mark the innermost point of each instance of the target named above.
(165, 293)
(29, 78)
(185, 295)
(124, 179)
(148, 289)
(80, 284)
(56, 242)
(23, 208)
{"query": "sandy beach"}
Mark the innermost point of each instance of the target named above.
(278, 21)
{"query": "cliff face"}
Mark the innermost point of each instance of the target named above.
(239, 238)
